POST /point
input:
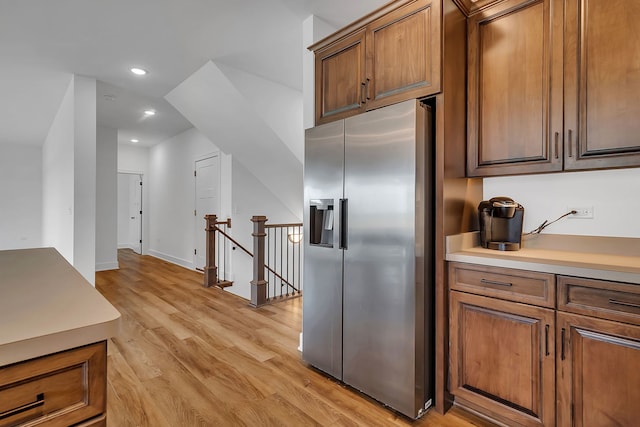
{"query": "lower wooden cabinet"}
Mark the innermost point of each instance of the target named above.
(598, 372)
(520, 364)
(62, 389)
(502, 359)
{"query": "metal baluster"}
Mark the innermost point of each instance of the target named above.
(287, 265)
(220, 237)
(224, 254)
(268, 262)
(300, 284)
(293, 266)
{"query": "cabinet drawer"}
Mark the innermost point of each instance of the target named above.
(599, 298)
(57, 390)
(514, 285)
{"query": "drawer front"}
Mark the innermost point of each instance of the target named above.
(599, 298)
(57, 390)
(528, 287)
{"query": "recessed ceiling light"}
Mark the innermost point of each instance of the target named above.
(138, 71)
(135, 140)
(149, 112)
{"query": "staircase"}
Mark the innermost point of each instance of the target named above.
(277, 258)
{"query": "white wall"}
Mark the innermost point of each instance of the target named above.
(84, 165)
(250, 198)
(20, 196)
(69, 178)
(133, 159)
(57, 179)
(279, 107)
(172, 195)
(249, 137)
(614, 195)
(106, 199)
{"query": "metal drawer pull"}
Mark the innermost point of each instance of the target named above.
(11, 412)
(570, 143)
(492, 282)
(546, 340)
(624, 303)
(562, 344)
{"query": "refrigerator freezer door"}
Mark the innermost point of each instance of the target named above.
(383, 325)
(322, 302)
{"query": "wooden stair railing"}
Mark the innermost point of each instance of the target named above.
(260, 290)
(211, 268)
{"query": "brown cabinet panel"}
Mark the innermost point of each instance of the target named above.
(403, 54)
(514, 285)
(599, 298)
(340, 75)
(58, 390)
(513, 112)
(502, 358)
(602, 84)
(553, 85)
(393, 55)
(598, 372)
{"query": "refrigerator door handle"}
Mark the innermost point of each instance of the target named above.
(344, 213)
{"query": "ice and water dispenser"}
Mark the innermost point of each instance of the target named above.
(321, 222)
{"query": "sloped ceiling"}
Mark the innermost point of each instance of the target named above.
(43, 42)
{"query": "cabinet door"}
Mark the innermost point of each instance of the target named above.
(340, 78)
(515, 88)
(598, 372)
(62, 389)
(602, 84)
(502, 359)
(404, 54)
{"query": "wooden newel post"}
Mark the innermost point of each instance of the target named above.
(210, 268)
(258, 284)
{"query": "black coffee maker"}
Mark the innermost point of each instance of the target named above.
(500, 224)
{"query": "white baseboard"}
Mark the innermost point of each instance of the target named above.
(131, 246)
(104, 266)
(174, 260)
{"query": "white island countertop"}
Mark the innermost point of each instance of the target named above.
(46, 306)
(605, 258)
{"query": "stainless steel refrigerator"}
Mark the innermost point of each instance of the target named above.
(368, 254)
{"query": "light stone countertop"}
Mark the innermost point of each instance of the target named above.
(46, 306)
(605, 258)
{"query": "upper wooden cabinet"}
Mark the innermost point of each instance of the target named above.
(553, 87)
(392, 55)
(514, 90)
(340, 78)
(602, 84)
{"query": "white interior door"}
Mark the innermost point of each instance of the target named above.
(135, 215)
(130, 211)
(207, 194)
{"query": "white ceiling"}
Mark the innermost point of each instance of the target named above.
(44, 42)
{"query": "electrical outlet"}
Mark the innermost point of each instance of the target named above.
(582, 212)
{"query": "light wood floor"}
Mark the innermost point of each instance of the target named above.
(194, 356)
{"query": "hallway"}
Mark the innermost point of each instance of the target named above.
(194, 356)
